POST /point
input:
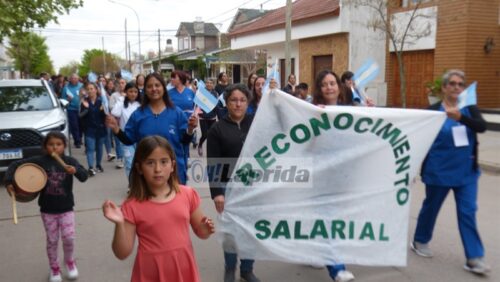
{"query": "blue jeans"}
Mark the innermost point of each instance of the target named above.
(74, 127)
(334, 269)
(128, 157)
(466, 202)
(231, 259)
(118, 148)
(93, 145)
(107, 141)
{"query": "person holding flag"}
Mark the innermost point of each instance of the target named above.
(206, 116)
(451, 164)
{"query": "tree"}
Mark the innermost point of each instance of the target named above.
(401, 30)
(20, 15)
(69, 68)
(30, 54)
(92, 60)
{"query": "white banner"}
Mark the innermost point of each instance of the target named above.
(354, 167)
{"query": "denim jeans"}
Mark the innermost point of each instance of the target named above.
(118, 148)
(93, 145)
(107, 141)
(231, 259)
(128, 156)
(74, 127)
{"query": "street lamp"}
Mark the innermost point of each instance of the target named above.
(138, 30)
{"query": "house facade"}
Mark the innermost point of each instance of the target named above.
(463, 36)
(326, 34)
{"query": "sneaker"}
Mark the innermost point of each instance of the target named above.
(92, 172)
(421, 249)
(72, 271)
(55, 275)
(248, 276)
(111, 157)
(99, 168)
(344, 276)
(119, 163)
(477, 266)
(229, 275)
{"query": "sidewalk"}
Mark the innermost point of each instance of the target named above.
(489, 151)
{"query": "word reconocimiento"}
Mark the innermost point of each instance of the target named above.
(302, 133)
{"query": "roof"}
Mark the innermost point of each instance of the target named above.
(209, 29)
(302, 10)
(245, 15)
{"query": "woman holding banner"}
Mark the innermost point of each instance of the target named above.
(157, 115)
(451, 164)
(327, 92)
(225, 141)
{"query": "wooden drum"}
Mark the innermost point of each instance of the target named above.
(29, 179)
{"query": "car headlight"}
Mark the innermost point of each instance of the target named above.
(59, 126)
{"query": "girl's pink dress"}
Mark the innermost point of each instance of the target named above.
(165, 252)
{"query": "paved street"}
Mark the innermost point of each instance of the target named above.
(24, 258)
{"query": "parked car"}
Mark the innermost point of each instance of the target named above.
(28, 110)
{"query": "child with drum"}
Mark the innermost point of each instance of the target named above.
(159, 211)
(56, 199)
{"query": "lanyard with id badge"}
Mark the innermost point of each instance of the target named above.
(460, 138)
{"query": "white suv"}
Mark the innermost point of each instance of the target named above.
(28, 110)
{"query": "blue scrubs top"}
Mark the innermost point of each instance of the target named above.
(171, 124)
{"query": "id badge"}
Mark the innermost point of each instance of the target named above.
(460, 136)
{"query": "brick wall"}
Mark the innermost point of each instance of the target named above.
(463, 27)
(336, 45)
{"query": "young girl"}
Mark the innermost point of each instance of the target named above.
(92, 116)
(123, 111)
(159, 211)
(56, 201)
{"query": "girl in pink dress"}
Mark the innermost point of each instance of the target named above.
(159, 211)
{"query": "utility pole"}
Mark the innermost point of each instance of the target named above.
(159, 52)
(103, 56)
(288, 39)
(126, 41)
(129, 57)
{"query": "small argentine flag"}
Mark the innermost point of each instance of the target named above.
(205, 100)
(468, 97)
(221, 100)
(92, 77)
(126, 75)
(274, 74)
(104, 98)
(366, 73)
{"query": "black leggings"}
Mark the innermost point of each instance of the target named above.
(205, 125)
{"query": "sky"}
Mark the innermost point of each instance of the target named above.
(85, 27)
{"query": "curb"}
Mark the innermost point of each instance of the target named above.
(490, 167)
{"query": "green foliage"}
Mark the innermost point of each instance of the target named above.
(434, 87)
(30, 54)
(69, 68)
(19, 15)
(92, 60)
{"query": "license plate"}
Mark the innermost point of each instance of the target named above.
(11, 154)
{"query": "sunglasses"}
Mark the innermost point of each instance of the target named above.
(454, 83)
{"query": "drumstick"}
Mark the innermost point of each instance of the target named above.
(58, 159)
(14, 207)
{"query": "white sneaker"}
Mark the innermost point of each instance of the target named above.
(119, 163)
(55, 276)
(72, 271)
(344, 276)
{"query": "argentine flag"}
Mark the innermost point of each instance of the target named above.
(468, 97)
(126, 75)
(273, 74)
(92, 77)
(104, 98)
(366, 73)
(204, 99)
